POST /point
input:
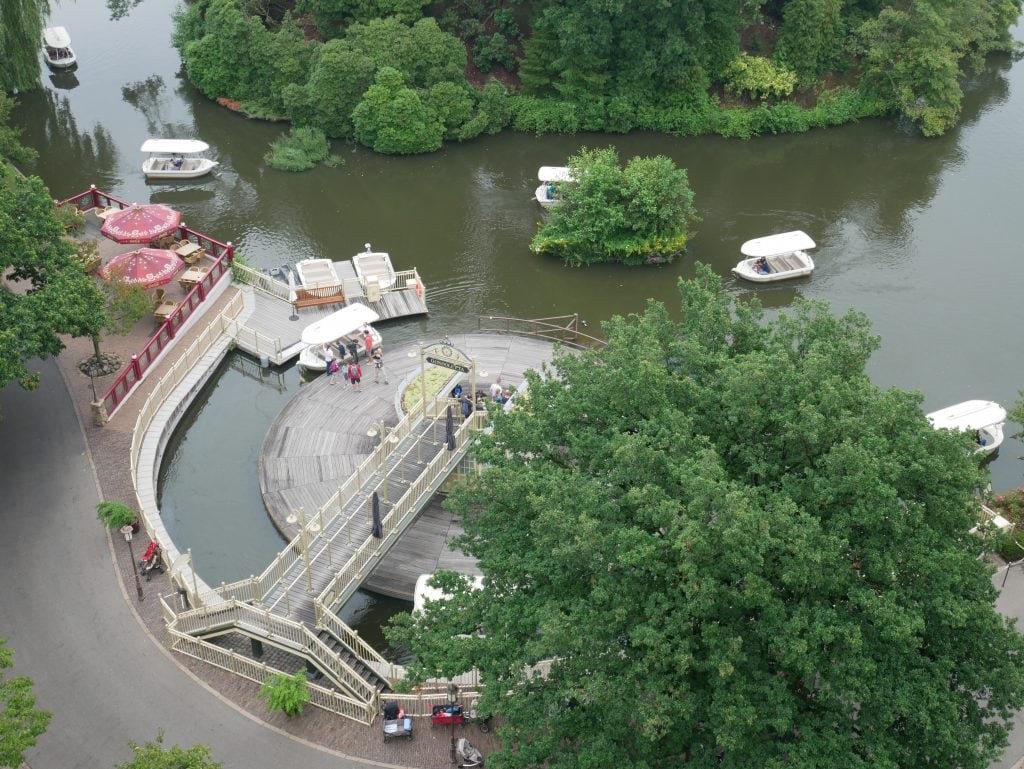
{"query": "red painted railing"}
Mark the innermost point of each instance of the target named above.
(222, 254)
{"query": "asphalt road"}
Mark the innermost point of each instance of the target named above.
(65, 615)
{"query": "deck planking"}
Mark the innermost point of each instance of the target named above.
(275, 318)
(320, 437)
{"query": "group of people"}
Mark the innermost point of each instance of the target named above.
(762, 266)
(498, 393)
(347, 360)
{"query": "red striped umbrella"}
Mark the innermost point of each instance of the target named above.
(146, 266)
(141, 224)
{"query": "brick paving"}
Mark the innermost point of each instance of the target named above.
(109, 448)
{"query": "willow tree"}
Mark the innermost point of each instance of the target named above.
(715, 543)
(21, 30)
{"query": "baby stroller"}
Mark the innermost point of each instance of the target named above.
(467, 755)
(396, 723)
(151, 561)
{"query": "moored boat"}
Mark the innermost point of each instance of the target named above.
(323, 337)
(176, 159)
(984, 418)
(776, 257)
(550, 177)
(57, 48)
(374, 267)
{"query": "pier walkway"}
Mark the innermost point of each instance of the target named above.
(270, 325)
(293, 604)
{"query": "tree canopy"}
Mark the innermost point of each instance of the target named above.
(52, 295)
(639, 214)
(153, 755)
(716, 543)
(733, 67)
(20, 721)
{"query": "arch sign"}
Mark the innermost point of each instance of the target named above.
(447, 356)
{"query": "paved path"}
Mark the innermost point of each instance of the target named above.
(73, 633)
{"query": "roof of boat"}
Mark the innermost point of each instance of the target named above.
(969, 415)
(773, 245)
(423, 592)
(174, 145)
(56, 37)
(337, 324)
(554, 174)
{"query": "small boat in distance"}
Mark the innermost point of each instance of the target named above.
(342, 326)
(374, 266)
(176, 159)
(984, 418)
(550, 177)
(776, 257)
(57, 48)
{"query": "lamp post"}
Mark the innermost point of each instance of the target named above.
(453, 697)
(127, 531)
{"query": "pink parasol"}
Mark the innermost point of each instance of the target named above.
(147, 266)
(141, 224)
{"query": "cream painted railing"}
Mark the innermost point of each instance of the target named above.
(402, 513)
(404, 280)
(257, 588)
(274, 629)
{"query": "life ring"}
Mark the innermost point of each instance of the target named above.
(419, 288)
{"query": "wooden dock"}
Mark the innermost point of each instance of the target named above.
(321, 436)
(271, 326)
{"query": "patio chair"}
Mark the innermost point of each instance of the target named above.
(158, 297)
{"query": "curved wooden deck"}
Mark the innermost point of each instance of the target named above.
(321, 436)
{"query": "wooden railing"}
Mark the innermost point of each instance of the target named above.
(350, 287)
(562, 328)
(222, 254)
(348, 578)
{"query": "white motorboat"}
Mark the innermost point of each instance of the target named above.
(317, 274)
(344, 326)
(550, 177)
(776, 257)
(176, 159)
(984, 418)
(374, 266)
(57, 48)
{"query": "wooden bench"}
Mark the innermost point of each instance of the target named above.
(304, 298)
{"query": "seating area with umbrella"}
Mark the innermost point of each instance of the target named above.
(141, 223)
(147, 267)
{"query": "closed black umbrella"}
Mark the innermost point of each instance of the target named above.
(449, 430)
(376, 530)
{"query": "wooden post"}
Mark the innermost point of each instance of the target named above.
(423, 382)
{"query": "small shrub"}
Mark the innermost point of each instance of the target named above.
(760, 77)
(492, 50)
(71, 219)
(287, 694)
(115, 515)
(298, 150)
(1009, 505)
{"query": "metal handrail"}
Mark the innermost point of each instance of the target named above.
(541, 327)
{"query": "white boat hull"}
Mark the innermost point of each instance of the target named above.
(192, 168)
(782, 266)
(311, 357)
(993, 437)
(542, 197)
(64, 62)
(984, 418)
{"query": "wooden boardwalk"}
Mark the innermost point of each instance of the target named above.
(273, 317)
(321, 436)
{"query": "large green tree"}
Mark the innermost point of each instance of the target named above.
(21, 28)
(715, 543)
(153, 755)
(639, 214)
(50, 293)
(20, 721)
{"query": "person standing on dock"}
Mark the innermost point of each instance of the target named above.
(378, 366)
(353, 349)
(355, 374)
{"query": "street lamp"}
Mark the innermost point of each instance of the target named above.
(127, 531)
